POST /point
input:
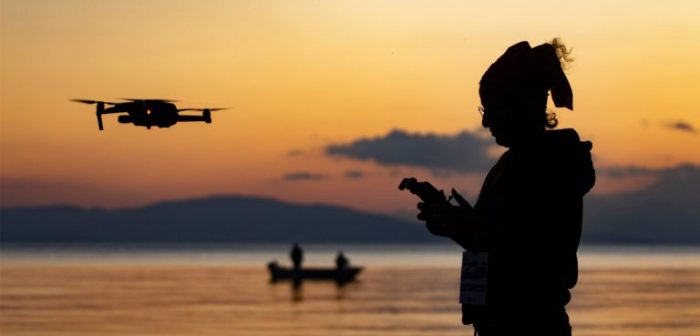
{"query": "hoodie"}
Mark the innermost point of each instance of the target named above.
(532, 204)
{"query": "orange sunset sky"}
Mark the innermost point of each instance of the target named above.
(299, 76)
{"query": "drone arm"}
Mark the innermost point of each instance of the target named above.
(183, 118)
(101, 110)
(206, 113)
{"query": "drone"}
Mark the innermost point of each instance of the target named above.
(161, 113)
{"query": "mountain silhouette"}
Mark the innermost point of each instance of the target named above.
(224, 219)
(652, 216)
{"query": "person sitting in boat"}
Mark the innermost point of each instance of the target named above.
(341, 262)
(297, 255)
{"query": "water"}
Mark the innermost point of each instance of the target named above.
(405, 290)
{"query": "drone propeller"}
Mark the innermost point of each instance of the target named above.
(100, 108)
(88, 101)
(151, 100)
(203, 109)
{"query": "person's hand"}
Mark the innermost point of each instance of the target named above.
(439, 218)
(443, 218)
(460, 200)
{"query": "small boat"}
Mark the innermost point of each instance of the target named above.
(339, 275)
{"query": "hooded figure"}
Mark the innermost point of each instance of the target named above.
(529, 212)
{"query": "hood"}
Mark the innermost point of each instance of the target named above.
(571, 157)
(564, 158)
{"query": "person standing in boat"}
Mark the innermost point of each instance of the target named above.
(341, 261)
(297, 255)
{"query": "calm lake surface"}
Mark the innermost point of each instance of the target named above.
(404, 290)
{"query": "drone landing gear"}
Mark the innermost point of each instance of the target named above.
(100, 111)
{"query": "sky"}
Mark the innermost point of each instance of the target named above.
(302, 78)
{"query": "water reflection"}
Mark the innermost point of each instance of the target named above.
(207, 293)
(297, 288)
(118, 299)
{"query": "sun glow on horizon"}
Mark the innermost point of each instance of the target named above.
(301, 75)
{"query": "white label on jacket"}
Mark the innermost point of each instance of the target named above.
(472, 284)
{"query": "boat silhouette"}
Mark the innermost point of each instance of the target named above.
(339, 275)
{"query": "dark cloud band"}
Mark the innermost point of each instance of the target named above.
(682, 126)
(463, 152)
(303, 176)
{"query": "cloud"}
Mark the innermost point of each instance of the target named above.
(682, 126)
(303, 176)
(620, 172)
(464, 152)
(354, 174)
(679, 184)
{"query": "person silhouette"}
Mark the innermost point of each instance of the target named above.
(297, 256)
(528, 217)
(341, 261)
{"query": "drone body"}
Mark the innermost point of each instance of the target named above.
(148, 112)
